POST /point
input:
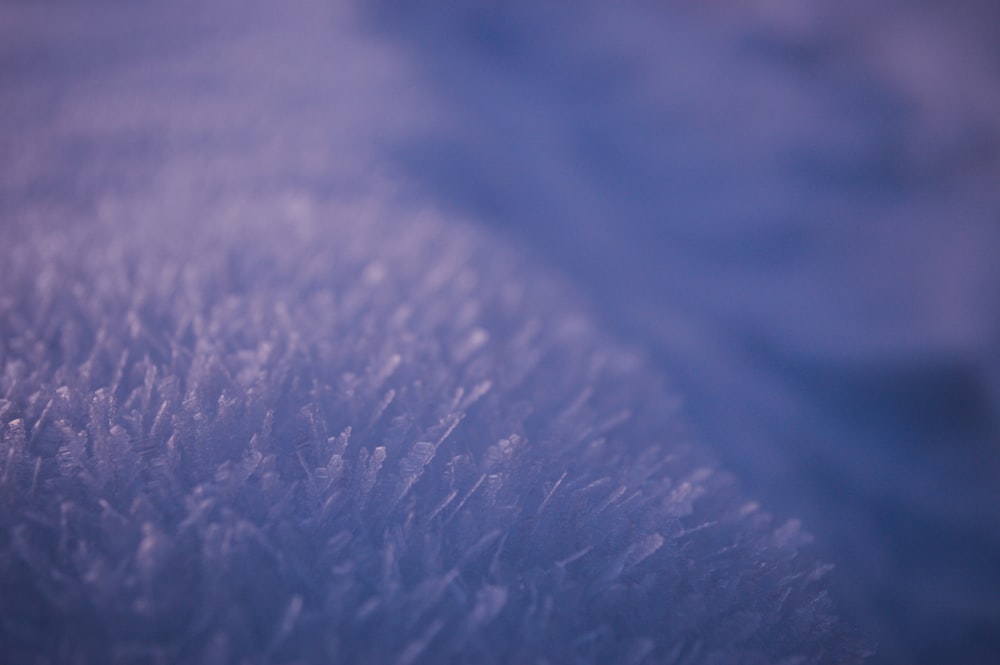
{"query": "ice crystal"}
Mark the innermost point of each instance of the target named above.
(241, 442)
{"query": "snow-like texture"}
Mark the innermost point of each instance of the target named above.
(257, 408)
(295, 432)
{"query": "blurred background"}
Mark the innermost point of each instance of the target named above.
(793, 208)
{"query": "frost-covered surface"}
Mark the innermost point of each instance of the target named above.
(199, 218)
(295, 432)
(255, 407)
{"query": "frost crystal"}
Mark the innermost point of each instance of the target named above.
(243, 443)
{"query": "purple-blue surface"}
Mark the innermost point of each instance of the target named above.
(632, 244)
